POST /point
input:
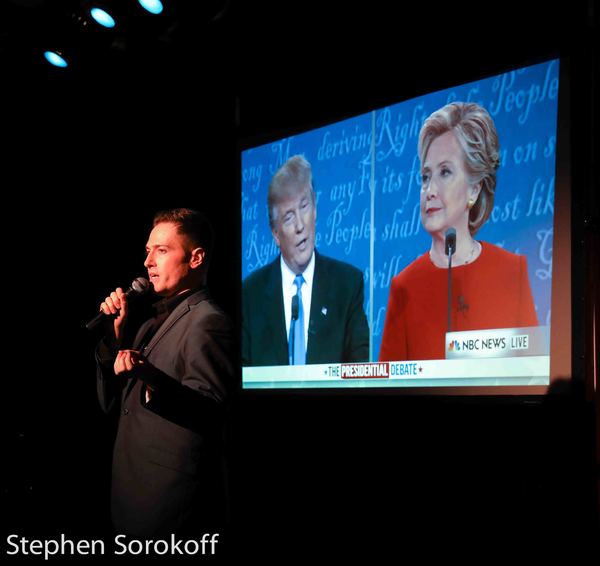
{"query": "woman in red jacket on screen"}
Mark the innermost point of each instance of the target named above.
(459, 153)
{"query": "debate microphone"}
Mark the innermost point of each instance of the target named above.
(450, 242)
(139, 286)
(295, 311)
(450, 249)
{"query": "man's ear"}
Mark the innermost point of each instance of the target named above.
(197, 257)
(275, 236)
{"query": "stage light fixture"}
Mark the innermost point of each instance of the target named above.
(102, 17)
(152, 6)
(91, 36)
(54, 58)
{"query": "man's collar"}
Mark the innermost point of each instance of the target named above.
(288, 275)
(169, 304)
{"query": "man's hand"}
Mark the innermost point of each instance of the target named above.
(116, 303)
(132, 360)
(128, 360)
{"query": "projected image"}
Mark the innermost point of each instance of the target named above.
(401, 247)
(319, 299)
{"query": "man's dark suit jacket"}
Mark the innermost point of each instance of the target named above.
(167, 464)
(337, 330)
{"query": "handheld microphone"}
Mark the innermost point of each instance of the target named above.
(295, 307)
(138, 287)
(450, 249)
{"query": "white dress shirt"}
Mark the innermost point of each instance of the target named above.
(289, 290)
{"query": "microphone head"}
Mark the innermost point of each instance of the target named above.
(140, 285)
(295, 307)
(450, 241)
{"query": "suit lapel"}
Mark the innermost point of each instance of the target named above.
(319, 308)
(179, 311)
(273, 297)
(139, 340)
(182, 309)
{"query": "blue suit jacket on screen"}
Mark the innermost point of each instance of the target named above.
(337, 331)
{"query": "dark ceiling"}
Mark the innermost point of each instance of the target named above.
(316, 55)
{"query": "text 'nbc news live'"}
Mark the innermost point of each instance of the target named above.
(503, 342)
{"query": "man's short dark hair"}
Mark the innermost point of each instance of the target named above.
(193, 224)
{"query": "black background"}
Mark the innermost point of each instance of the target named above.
(91, 153)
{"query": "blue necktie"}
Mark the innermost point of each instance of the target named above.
(296, 338)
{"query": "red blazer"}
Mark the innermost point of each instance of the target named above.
(491, 292)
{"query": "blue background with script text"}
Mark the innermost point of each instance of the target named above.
(347, 164)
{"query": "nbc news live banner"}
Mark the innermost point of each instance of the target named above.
(498, 343)
(514, 356)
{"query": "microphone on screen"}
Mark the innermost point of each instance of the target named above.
(450, 249)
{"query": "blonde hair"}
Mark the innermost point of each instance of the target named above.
(476, 133)
(293, 176)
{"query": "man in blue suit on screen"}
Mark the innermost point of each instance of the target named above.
(302, 308)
